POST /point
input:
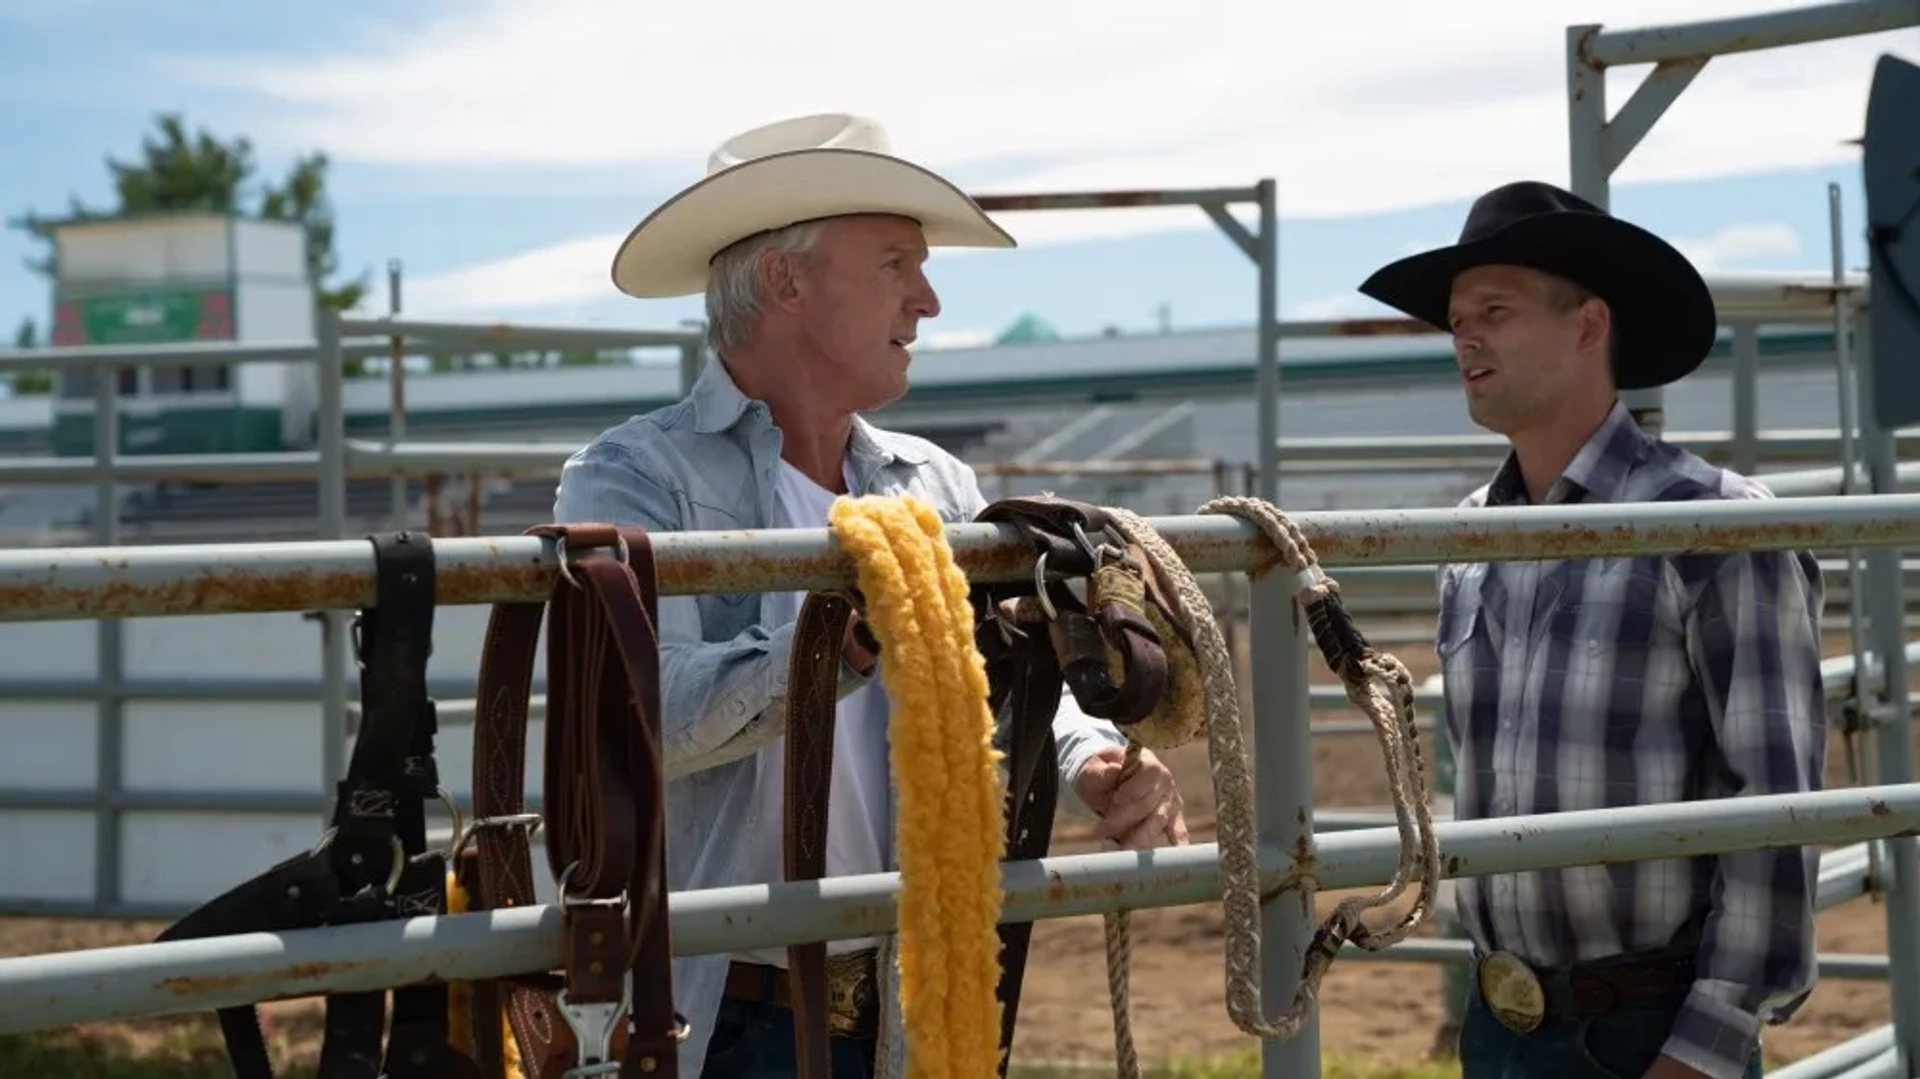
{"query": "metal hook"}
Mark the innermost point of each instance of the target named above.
(1040, 587)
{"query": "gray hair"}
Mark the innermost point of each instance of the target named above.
(733, 280)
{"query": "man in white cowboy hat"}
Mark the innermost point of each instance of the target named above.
(1607, 682)
(808, 238)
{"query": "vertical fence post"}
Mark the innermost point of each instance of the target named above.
(1746, 398)
(109, 644)
(1894, 745)
(1267, 340)
(396, 400)
(333, 526)
(1283, 799)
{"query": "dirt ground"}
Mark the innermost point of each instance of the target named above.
(1379, 1008)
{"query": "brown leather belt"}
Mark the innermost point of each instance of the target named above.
(1522, 996)
(605, 815)
(1025, 674)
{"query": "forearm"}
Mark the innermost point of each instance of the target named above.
(1755, 645)
(1077, 736)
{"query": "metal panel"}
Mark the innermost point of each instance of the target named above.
(1890, 170)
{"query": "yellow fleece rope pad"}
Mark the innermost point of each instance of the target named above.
(951, 828)
(460, 1000)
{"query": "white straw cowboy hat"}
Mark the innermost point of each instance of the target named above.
(784, 173)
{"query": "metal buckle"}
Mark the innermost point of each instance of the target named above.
(593, 1026)
(1512, 991)
(853, 999)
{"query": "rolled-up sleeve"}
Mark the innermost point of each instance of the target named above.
(1754, 642)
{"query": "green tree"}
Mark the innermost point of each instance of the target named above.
(178, 170)
(29, 382)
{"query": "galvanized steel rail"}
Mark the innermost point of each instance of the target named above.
(191, 976)
(122, 582)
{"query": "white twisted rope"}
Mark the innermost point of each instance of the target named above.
(1379, 685)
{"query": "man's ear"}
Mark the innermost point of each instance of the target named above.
(1596, 325)
(781, 280)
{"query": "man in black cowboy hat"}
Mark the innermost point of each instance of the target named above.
(1606, 682)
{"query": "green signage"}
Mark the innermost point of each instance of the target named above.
(145, 318)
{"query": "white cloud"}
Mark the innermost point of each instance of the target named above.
(1354, 111)
(541, 279)
(1339, 306)
(1739, 244)
(934, 340)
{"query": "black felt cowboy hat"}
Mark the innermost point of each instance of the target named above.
(1664, 321)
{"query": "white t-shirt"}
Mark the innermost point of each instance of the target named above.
(859, 823)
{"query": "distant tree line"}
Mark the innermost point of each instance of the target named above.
(180, 170)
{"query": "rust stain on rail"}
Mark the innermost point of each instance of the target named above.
(214, 590)
(194, 987)
(1075, 199)
(1468, 543)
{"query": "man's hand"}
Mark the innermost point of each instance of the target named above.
(1143, 812)
(853, 652)
(1665, 1067)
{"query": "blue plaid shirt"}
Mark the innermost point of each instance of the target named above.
(1607, 682)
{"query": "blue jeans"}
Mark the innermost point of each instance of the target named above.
(754, 1040)
(1621, 1044)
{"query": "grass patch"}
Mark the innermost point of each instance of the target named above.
(183, 1048)
(190, 1048)
(1245, 1064)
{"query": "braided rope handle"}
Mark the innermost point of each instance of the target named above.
(1380, 686)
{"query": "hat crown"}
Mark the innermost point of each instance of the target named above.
(1513, 202)
(822, 131)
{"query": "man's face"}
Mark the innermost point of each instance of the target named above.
(861, 294)
(1521, 345)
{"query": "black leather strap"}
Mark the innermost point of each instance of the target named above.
(373, 864)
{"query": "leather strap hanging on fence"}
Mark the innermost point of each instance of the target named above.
(813, 697)
(1033, 635)
(373, 863)
(1110, 649)
(609, 1011)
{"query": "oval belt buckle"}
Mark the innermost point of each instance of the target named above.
(1513, 992)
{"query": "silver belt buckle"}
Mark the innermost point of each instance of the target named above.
(1512, 991)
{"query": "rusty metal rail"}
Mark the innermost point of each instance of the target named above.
(120, 582)
(188, 976)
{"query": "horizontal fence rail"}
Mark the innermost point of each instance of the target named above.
(41, 991)
(130, 582)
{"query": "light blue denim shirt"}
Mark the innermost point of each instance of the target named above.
(708, 463)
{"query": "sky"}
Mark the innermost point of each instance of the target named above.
(499, 149)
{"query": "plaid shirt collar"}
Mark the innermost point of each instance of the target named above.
(1596, 474)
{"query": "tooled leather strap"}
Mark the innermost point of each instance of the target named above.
(604, 799)
(813, 696)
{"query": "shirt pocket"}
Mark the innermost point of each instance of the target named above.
(1613, 662)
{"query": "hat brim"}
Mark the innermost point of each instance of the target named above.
(1664, 321)
(667, 254)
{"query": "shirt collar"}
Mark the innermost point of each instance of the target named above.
(718, 405)
(1596, 473)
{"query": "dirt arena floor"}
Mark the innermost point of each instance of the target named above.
(1372, 1007)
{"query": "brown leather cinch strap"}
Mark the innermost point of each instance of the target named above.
(605, 815)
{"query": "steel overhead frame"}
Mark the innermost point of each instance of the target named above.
(1597, 146)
